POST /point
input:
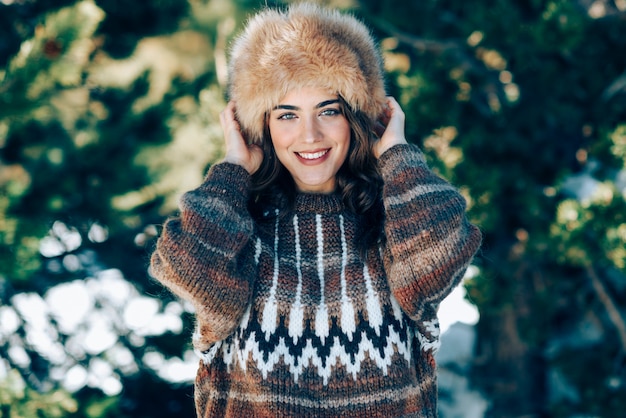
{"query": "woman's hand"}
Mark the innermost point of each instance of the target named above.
(237, 149)
(390, 129)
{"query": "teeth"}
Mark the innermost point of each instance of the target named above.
(312, 155)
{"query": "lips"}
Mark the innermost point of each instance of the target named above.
(312, 155)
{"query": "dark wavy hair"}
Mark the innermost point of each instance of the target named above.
(358, 181)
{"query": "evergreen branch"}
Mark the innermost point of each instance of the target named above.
(617, 86)
(421, 44)
(611, 308)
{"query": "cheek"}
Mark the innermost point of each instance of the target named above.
(346, 135)
(276, 143)
(280, 146)
(281, 149)
(280, 137)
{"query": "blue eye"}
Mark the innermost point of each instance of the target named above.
(287, 116)
(330, 112)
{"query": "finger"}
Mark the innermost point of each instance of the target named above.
(391, 101)
(230, 127)
(394, 108)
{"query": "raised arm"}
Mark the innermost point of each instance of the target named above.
(205, 255)
(430, 242)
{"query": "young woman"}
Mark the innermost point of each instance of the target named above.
(316, 253)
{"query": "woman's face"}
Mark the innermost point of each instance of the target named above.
(311, 137)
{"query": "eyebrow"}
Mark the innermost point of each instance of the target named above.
(318, 106)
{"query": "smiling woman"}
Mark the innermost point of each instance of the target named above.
(317, 252)
(311, 137)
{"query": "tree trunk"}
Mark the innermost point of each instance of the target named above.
(511, 373)
(510, 365)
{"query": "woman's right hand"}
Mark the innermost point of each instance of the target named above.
(238, 151)
(392, 128)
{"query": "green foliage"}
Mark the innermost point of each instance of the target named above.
(54, 56)
(522, 105)
(128, 24)
(79, 152)
(17, 400)
(589, 379)
(105, 118)
(33, 140)
(581, 235)
(109, 111)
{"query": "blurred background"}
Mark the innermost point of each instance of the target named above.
(109, 111)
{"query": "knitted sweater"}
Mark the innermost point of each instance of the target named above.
(290, 319)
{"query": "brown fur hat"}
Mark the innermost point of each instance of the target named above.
(305, 45)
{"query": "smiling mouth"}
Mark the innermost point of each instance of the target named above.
(312, 155)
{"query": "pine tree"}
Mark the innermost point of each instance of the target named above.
(109, 111)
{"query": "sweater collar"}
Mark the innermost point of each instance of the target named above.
(318, 203)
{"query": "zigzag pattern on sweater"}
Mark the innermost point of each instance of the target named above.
(338, 349)
(323, 341)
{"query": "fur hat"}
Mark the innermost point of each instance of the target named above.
(305, 45)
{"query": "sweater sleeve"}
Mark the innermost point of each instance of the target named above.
(430, 242)
(204, 255)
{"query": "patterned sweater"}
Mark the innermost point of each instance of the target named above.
(291, 321)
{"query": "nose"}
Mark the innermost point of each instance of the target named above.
(311, 130)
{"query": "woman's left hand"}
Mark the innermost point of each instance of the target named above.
(391, 130)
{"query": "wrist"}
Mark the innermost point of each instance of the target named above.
(237, 161)
(382, 147)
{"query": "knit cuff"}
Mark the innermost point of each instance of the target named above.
(230, 181)
(399, 157)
